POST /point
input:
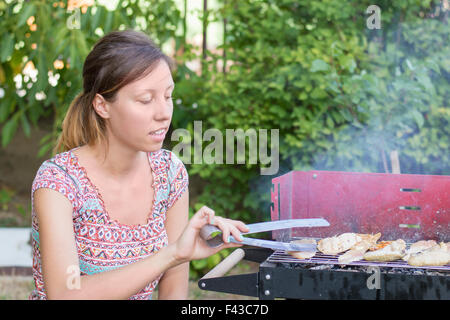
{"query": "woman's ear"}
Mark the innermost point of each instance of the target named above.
(101, 107)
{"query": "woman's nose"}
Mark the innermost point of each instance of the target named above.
(164, 109)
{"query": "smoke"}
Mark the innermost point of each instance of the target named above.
(407, 108)
(404, 87)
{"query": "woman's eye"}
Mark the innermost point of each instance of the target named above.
(149, 101)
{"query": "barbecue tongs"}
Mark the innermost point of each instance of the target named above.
(208, 231)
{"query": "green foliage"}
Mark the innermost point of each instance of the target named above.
(6, 196)
(55, 40)
(342, 96)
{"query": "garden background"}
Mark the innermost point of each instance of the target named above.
(345, 96)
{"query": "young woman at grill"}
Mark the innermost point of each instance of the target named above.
(96, 233)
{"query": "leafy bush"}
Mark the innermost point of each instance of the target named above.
(343, 96)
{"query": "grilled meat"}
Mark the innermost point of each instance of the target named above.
(437, 255)
(380, 245)
(359, 249)
(303, 254)
(419, 246)
(338, 244)
(393, 251)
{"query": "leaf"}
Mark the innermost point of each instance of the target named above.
(409, 64)
(319, 65)
(418, 117)
(98, 16)
(425, 81)
(8, 131)
(27, 11)
(199, 264)
(329, 122)
(346, 114)
(81, 43)
(44, 149)
(318, 93)
(108, 22)
(73, 54)
(25, 124)
(348, 63)
(42, 82)
(6, 107)
(60, 35)
(303, 96)
(7, 47)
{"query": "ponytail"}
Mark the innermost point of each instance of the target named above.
(81, 125)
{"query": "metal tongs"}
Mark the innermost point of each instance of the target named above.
(208, 231)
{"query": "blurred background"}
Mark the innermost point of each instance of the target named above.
(350, 89)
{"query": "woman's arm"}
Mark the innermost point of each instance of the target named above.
(174, 283)
(59, 256)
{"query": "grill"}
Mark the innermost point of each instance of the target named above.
(408, 207)
(332, 260)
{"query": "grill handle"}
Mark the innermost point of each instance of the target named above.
(226, 264)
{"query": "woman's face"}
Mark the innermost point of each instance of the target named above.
(141, 108)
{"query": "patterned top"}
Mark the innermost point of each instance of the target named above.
(102, 243)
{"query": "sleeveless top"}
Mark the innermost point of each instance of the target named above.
(102, 243)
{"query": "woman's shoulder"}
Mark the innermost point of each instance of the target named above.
(58, 167)
(57, 173)
(169, 162)
(169, 158)
(174, 173)
(63, 160)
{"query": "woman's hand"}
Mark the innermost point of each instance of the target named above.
(190, 246)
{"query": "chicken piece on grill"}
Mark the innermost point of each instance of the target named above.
(419, 246)
(380, 245)
(338, 244)
(359, 249)
(438, 255)
(393, 251)
(303, 254)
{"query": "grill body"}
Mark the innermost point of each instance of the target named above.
(400, 206)
(282, 277)
(407, 206)
(373, 284)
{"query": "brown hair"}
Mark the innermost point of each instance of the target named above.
(117, 59)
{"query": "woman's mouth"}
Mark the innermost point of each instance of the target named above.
(159, 131)
(159, 134)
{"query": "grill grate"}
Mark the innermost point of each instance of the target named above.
(280, 256)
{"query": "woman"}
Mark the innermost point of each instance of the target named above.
(96, 234)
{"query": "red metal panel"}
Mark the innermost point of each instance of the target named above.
(406, 206)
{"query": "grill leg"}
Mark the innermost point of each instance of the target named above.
(242, 284)
(266, 285)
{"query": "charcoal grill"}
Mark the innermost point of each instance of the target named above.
(400, 206)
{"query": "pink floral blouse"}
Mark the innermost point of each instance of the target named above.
(102, 243)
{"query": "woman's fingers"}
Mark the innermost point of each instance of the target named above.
(240, 225)
(202, 217)
(219, 222)
(228, 227)
(208, 214)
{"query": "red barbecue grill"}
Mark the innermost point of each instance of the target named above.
(400, 206)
